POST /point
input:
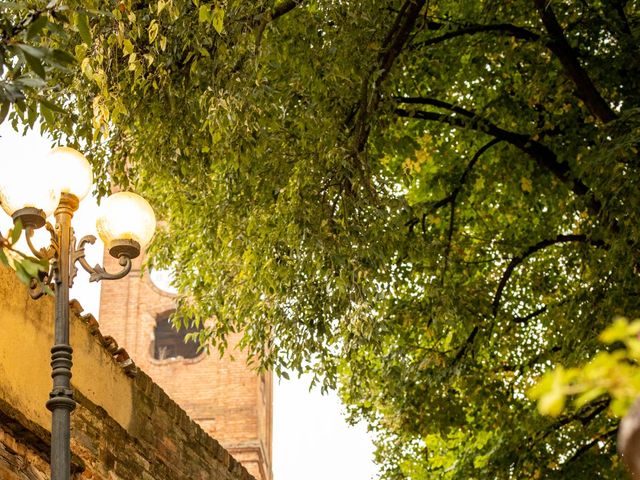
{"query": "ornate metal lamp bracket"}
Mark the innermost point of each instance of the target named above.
(47, 252)
(39, 286)
(98, 272)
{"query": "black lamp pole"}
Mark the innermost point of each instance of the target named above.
(62, 255)
(61, 402)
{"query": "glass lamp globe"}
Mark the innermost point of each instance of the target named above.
(73, 171)
(28, 191)
(126, 223)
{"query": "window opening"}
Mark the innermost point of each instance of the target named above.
(170, 343)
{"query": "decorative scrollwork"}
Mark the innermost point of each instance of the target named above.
(97, 272)
(42, 285)
(73, 270)
(45, 253)
(79, 255)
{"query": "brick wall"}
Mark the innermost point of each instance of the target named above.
(223, 395)
(125, 426)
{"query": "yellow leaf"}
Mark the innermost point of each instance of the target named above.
(153, 30)
(204, 13)
(81, 51)
(218, 19)
(434, 219)
(618, 330)
(86, 68)
(127, 47)
(552, 403)
(526, 185)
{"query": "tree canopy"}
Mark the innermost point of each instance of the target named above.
(426, 203)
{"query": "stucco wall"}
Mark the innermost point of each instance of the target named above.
(125, 426)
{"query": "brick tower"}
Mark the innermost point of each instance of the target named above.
(231, 402)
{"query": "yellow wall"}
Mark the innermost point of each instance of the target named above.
(124, 428)
(26, 338)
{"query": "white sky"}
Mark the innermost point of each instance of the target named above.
(311, 439)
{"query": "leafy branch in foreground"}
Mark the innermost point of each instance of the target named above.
(28, 268)
(613, 372)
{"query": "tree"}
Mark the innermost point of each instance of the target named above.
(30, 36)
(427, 204)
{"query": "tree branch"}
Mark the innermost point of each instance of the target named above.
(447, 249)
(434, 102)
(531, 315)
(542, 154)
(515, 261)
(23, 24)
(587, 446)
(470, 29)
(531, 362)
(559, 45)
(283, 8)
(266, 18)
(473, 162)
(585, 415)
(618, 8)
(454, 196)
(395, 41)
(465, 346)
(442, 202)
(451, 198)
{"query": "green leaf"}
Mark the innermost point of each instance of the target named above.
(47, 114)
(36, 65)
(82, 23)
(35, 52)
(22, 274)
(4, 110)
(359, 264)
(31, 267)
(12, 5)
(16, 231)
(52, 106)
(36, 26)
(63, 56)
(218, 19)
(32, 82)
(3, 257)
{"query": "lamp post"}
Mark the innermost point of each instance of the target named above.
(125, 223)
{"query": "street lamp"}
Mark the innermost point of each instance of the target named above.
(29, 193)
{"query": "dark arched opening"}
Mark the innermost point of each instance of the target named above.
(169, 342)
